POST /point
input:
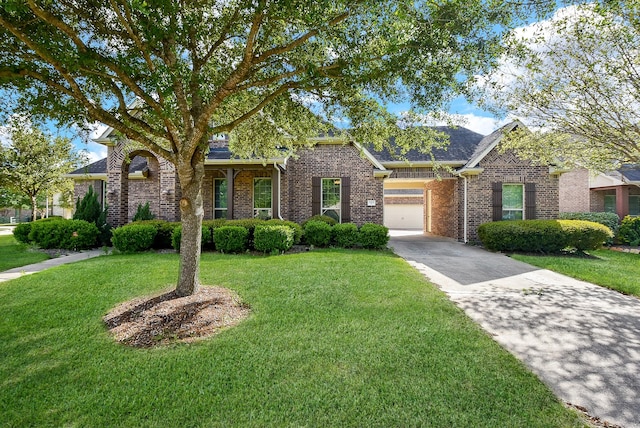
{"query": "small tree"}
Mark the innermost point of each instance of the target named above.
(33, 162)
(89, 209)
(143, 213)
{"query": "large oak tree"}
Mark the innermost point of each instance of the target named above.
(269, 73)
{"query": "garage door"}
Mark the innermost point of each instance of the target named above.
(404, 216)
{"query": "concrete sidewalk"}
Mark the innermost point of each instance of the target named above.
(47, 264)
(582, 340)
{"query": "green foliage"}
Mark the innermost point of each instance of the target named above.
(373, 236)
(629, 232)
(345, 235)
(231, 239)
(164, 233)
(323, 218)
(64, 234)
(133, 237)
(14, 254)
(297, 229)
(271, 238)
(249, 224)
(543, 236)
(211, 225)
(143, 212)
(89, 209)
(317, 233)
(611, 220)
(21, 232)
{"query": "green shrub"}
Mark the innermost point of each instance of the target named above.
(88, 209)
(542, 236)
(133, 237)
(270, 238)
(21, 232)
(373, 235)
(323, 218)
(629, 232)
(345, 235)
(297, 229)
(176, 237)
(64, 234)
(249, 224)
(143, 213)
(164, 233)
(611, 220)
(317, 233)
(211, 225)
(231, 239)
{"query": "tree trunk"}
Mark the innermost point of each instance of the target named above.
(34, 208)
(191, 214)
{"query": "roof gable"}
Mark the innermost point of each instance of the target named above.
(490, 142)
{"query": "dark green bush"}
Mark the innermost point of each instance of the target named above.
(164, 233)
(88, 209)
(270, 238)
(64, 234)
(317, 233)
(211, 225)
(143, 213)
(611, 220)
(176, 236)
(629, 232)
(297, 229)
(231, 239)
(133, 237)
(323, 218)
(373, 235)
(542, 236)
(21, 232)
(345, 235)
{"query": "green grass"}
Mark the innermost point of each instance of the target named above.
(612, 269)
(14, 254)
(335, 338)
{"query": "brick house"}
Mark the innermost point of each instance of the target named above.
(348, 181)
(616, 191)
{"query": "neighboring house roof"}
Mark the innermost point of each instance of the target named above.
(462, 143)
(630, 173)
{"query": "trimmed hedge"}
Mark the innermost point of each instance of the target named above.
(64, 234)
(133, 237)
(176, 236)
(164, 233)
(345, 235)
(231, 239)
(271, 238)
(21, 232)
(323, 218)
(373, 236)
(317, 233)
(297, 229)
(611, 220)
(543, 236)
(629, 232)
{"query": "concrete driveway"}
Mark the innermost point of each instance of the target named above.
(582, 340)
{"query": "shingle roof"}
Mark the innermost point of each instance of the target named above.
(138, 163)
(630, 172)
(489, 142)
(462, 143)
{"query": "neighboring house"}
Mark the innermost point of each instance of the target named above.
(347, 181)
(616, 191)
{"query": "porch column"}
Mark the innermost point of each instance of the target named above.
(622, 201)
(275, 193)
(230, 173)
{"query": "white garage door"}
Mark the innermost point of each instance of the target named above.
(404, 216)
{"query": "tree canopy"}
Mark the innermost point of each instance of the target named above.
(34, 163)
(576, 80)
(169, 74)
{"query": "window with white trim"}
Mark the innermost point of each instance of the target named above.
(220, 198)
(330, 202)
(262, 198)
(512, 201)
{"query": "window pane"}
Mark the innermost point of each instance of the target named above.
(262, 193)
(634, 204)
(609, 203)
(512, 196)
(331, 198)
(511, 215)
(220, 191)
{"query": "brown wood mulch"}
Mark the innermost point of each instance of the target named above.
(163, 319)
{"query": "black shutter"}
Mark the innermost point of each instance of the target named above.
(345, 199)
(316, 195)
(497, 200)
(530, 201)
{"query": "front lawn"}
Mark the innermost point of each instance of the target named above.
(335, 338)
(14, 254)
(612, 269)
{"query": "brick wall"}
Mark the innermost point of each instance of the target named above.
(145, 190)
(574, 194)
(81, 188)
(508, 168)
(328, 161)
(444, 207)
